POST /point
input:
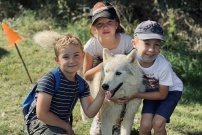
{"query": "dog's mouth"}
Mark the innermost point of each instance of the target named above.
(110, 94)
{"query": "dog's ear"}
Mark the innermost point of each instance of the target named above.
(107, 54)
(131, 57)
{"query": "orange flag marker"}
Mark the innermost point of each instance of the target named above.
(11, 35)
(13, 38)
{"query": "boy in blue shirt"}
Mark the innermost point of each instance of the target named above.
(53, 111)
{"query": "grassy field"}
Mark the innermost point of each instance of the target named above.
(15, 84)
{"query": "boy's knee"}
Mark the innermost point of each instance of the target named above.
(146, 126)
(158, 125)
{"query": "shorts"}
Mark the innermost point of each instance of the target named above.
(164, 107)
(37, 127)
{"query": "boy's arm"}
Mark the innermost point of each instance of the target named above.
(157, 95)
(90, 106)
(43, 113)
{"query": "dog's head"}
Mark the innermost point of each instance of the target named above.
(117, 69)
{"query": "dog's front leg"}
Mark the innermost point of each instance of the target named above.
(106, 126)
(126, 125)
(108, 118)
(131, 110)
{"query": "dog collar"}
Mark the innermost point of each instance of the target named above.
(147, 61)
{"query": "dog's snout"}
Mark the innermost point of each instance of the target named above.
(105, 86)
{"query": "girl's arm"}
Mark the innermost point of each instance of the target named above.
(43, 113)
(91, 107)
(88, 69)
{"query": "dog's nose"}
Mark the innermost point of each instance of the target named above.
(105, 86)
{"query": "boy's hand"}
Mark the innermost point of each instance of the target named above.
(120, 101)
(70, 132)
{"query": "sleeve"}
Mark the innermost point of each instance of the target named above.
(46, 84)
(128, 44)
(89, 47)
(86, 92)
(93, 47)
(166, 76)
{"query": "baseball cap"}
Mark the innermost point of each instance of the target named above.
(149, 30)
(102, 9)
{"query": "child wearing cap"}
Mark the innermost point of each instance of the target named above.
(106, 32)
(164, 88)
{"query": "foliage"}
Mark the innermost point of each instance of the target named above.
(80, 28)
(8, 9)
(193, 6)
(182, 49)
(22, 23)
(185, 61)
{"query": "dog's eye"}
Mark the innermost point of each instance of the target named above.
(118, 73)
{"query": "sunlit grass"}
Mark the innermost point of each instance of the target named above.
(15, 85)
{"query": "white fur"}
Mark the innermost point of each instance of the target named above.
(118, 69)
(46, 39)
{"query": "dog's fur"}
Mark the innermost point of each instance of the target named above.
(121, 77)
(118, 70)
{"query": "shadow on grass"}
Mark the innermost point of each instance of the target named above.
(3, 52)
(194, 133)
(191, 94)
(134, 132)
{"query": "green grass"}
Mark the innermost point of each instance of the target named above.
(15, 84)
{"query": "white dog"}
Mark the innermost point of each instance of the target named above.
(120, 78)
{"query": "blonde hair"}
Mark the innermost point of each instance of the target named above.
(53, 41)
(65, 41)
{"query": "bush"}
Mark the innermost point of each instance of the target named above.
(186, 61)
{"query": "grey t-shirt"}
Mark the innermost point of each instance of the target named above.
(94, 47)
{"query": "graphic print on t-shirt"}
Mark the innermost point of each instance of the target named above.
(151, 84)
